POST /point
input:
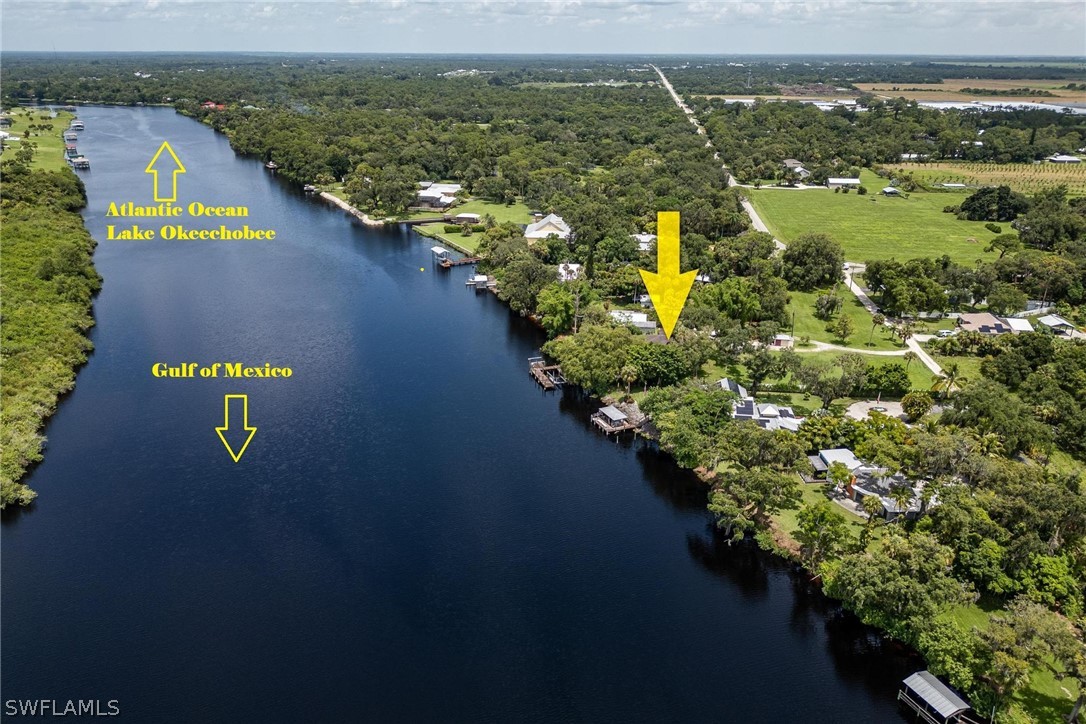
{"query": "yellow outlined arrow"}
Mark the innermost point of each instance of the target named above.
(244, 425)
(180, 168)
(668, 287)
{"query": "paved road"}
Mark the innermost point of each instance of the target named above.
(759, 225)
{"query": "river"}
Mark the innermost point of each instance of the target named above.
(416, 532)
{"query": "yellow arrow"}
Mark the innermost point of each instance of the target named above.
(250, 431)
(178, 168)
(668, 288)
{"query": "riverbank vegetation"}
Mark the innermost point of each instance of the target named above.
(48, 282)
(991, 465)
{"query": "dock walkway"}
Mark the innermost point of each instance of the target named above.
(548, 376)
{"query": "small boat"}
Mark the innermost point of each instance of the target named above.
(271, 165)
(309, 189)
(76, 125)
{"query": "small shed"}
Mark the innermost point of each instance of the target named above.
(440, 253)
(838, 182)
(467, 218)
(891, 191)
(932, 700)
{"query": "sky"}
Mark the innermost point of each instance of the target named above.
(724, 27)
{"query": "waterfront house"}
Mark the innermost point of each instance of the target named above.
(868, 480)
(766, 416)
(644, 241)
(638, 320)
(436, 195)
(549, 225)
(466, 219)
(825, 458)
(835, 182)
(734, 387)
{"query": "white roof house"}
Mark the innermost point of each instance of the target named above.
(835, 181)
(840, 455)
(569, 272)
(437, 194)
(551, 224)
(1064, 158)
(644, 241)
(640, 320)
(467, 218)
(1018, 325)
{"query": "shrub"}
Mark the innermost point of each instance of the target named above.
(994, 228)
(452, 228)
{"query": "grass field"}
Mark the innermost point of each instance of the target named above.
(950, 90)
(919, 375)
(808, 325)
(873, 226)
(49, 154)
(1025, 177)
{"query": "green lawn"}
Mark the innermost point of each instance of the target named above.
(968, 364)
(1046, 698)
(919, 375)
(516, 213)
(873, 226)
(49, 154)
(808, 325)
(812, 493)
(466, 244)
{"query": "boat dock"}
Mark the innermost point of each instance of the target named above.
(449, 262)
(548, 376)
(612, 420)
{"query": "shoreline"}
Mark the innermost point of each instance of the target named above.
(361, 216)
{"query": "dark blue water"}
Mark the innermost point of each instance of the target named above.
(416, 532)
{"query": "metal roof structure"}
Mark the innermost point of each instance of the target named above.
(613, 414)
(936, 694)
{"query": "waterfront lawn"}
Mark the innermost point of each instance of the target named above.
(465, 244)
(874, 226)
(1046, 698)
(49, 154)
(802, 304)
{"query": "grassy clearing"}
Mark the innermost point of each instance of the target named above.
(813, 493)
(950, 90)
(49, 154)
(465, 244)
(873, 226)
(1025, 177)
(968, 365)
(919, 375)
(516, 213)
(802, 305)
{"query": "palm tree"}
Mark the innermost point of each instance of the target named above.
(873, 507)
(902, 495)
(909, 357)
(988, 444)
(951, 377)
(876, 321)
(628, 374)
